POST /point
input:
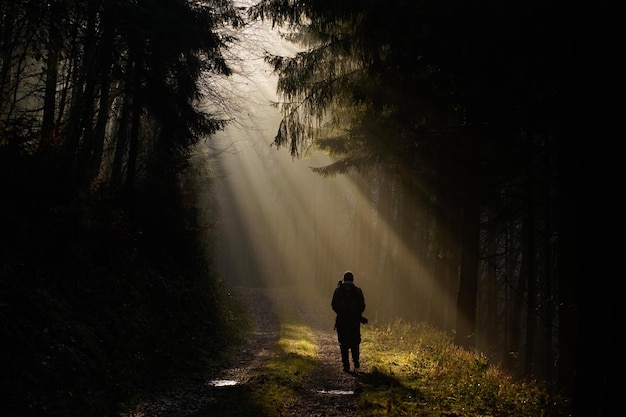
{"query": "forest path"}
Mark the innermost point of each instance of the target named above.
(325, 392)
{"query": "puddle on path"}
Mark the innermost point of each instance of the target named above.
(230, 383)
(223, 383)
(335, 392)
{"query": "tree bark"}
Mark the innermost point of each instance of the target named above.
(468, 278)
(105, 60)
(528, 264)
(49, 101)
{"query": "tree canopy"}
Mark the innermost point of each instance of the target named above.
(479, 108)
(103, 283)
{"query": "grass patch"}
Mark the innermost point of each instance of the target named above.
(277, 386)
(415, 370)
(418, 371)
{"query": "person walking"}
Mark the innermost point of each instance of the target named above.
(348, 303)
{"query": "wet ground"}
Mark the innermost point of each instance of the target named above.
(327, 391)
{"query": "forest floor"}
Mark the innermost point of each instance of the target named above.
(326, 391)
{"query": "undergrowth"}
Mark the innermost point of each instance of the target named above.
(412, 370)
(416, 370)
(100, 299)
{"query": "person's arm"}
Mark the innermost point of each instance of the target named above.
(361, 301)
(334, 303)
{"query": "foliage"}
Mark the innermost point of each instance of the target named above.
(414, 370)
(104, 286)
(418, 371)
(479, 112)
(110, 89)
(94, 306)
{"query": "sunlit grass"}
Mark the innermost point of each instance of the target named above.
(411, 370)
(297, 339)
(293, 361)
(418, 371)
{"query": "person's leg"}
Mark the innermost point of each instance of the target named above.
(355, 355)
(345, 358)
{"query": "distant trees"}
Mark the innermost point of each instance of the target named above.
(108, 88)
(471, 108)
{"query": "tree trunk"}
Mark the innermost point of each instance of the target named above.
(592, 263)
(49, 100)
(491, 297)
(547, 309)
(105, 60)
(528, 265)
(121, 145)
(136, 105)
(468, 278)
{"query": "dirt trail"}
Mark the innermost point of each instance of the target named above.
(326, 392)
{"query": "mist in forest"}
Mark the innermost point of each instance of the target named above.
(274, 222)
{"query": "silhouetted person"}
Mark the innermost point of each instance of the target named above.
(349, 304)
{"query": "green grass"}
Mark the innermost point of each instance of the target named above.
(417, 371)
(277, 384)
(412, 370)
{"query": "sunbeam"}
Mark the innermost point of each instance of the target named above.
(281, 224)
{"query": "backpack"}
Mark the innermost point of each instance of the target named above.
(350, 300)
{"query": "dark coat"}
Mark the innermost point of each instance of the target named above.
(348, 323)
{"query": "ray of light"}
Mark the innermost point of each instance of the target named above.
(280, 224)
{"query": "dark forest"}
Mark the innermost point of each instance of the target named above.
(486, 128)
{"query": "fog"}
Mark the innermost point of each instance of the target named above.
(274, 222)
